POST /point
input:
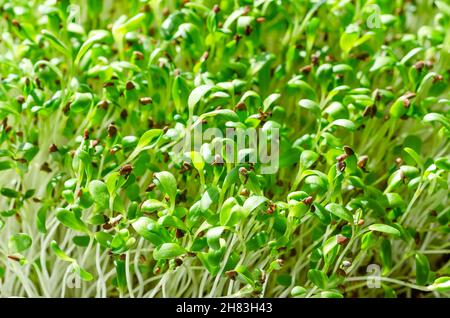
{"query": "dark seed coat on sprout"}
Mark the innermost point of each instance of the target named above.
(349, 151)
(342, 240)
(53, 148)
(145, 100)
(112, 130)
(126, 170)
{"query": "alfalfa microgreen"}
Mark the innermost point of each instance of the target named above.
(94, 106)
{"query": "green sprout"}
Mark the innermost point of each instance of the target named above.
(97, 97)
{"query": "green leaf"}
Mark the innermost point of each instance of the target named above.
(209, 197)
(213, 237)
(97, 36)
(5, 165)
(82, 240)
(148, 137)
(121, 277)
(270, 100)
(257, 241)
(70, 220)
(349, 37)
(172, 221)
(60, 253)
(344, 123)
(150, 230)
(253, 202)
(442, 284)
(382, 61)
(112, 182)
(410, 171)
(121, 27)
(443, 6)
(384, 229)
(233, 17)
(225, 210)
(82, 273)
(197, 161)
(196, 95)
(318, 278)
(167, 184)
(443, 163)
(386, 255)
(422, 269)
(81, 102)
(7, 108)
(226, 114)
(230, 179)
(307, 159)
(9, 193)
(152, 205)
(368, 240)
(411, 54)
(297, 209)
(132, 23)
(167, 251)
(19, 242)
(398, 108)
(342, 68)
(209, 262)
(340, 212)
(395, 200)
(245, 274)
(395, 180)
(329, 245)
(57, 43)
(331, 294)
(435, 117)
(298, 291)
(414, 155)
(104, 239)
(310, 105)
(100, 194)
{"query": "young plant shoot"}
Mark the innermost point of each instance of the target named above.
(224, 148)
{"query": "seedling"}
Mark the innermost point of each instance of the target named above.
(97, 96)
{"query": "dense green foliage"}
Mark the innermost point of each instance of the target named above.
(95, 202)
